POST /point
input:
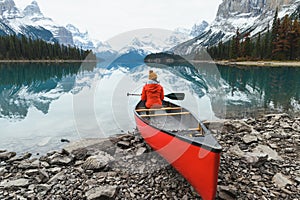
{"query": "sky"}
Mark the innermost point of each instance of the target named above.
(104, 19)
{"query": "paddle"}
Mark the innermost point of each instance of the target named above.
(173, 96)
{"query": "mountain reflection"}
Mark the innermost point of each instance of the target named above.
(233, 92)
(23, 85)
(237, 92)
(269, 89)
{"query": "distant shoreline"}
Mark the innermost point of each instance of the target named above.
(260, 63)
(48, 61)
(222, 62)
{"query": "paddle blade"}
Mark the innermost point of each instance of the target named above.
(175, 96)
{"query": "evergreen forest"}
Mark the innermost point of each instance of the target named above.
(13, 47)
(282, 42)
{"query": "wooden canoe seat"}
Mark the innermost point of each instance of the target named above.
(155, 109)
(191, 132)
(195, 129)
(166, 114)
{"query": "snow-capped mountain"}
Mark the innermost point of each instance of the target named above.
(139, 42)
(80, 39)
(33, 10)
(32, 23)
(198, 28)
(148, 40)
(252, 16)
(8, 9)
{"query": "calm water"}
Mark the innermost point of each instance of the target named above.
(258, 90)
(42, 103)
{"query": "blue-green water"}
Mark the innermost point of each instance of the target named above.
(42, 103)
(265, 89)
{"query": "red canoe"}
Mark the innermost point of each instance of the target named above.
(184, 142)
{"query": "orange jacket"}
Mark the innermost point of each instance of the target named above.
(153, 94)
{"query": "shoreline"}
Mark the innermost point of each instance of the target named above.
(222, 62)
(251, 63)
(260, 160)
(259, 63)
(48, 61)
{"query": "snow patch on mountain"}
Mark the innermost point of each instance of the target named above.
(33, 10)
(81, 39)
(141, 42)
(8, 9)
(32, 23)
(198, 28)
(252, 17)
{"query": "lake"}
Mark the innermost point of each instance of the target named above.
(41, 104)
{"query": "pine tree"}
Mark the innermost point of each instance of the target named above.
(282, 46)
(237, 43)
(266, 45)
(221, 50)
(11, 54)
(235, 46)
(2, 48)
(275, 26)
(294, 40)
(246, 48)
(257, 50)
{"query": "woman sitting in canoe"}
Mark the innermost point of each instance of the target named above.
(153, 92)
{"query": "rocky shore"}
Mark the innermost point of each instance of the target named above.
(260, 160)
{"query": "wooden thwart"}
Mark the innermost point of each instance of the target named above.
(166, 114)
(201, 132)
(155, 109)
(195, 129)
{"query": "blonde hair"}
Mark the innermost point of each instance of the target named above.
(152, 75)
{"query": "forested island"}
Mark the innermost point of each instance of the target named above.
(13, 47)
(165, 58)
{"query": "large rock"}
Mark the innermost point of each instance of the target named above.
(235, 150)
(92, 145)
(29, 164)
(6, 155)
(281, 181)
(102, 193)
(248, 139)
(296, 126)
(140, 151)
(22, 182)
(238, 126)
(263, 149)
(20, 158)
(59, 159)
(256, 159)
(97, 162)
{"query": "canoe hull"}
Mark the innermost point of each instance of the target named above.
(198, 165)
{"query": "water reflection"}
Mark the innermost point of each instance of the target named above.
(256, 90)
(35, 101)
(42, 103)
(23, 85)
(240, 92)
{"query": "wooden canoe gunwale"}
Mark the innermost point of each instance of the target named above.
(170, 114)
(210, 143)
(154, 109)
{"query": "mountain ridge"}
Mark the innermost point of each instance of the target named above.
(248, 16)
(32, 23)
